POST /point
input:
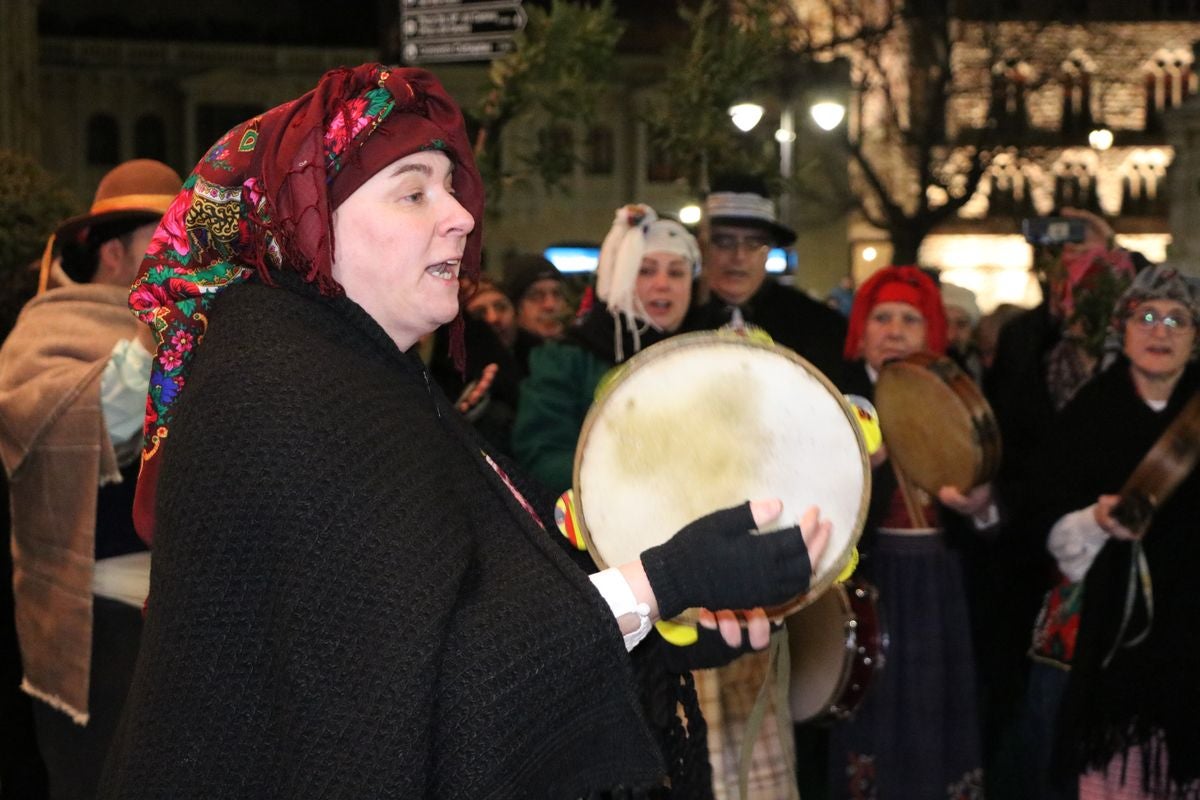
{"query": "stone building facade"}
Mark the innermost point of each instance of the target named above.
(1038, 94)
(18, 75)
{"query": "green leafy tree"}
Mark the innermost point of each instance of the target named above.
(32, 203)
(734, 51)
(562, 63)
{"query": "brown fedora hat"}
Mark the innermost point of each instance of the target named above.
(142, 187)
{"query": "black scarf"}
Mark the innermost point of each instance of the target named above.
(594, 332)
(1148, 695)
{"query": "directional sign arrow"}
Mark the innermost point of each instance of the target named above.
(408, 6)
(474, 49)
(440, 24)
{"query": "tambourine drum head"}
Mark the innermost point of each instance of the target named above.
(706, 421)
(927, 428)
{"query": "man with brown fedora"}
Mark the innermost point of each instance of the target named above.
(73, 379)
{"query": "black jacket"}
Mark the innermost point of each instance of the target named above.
(792, 318)
(348, 602)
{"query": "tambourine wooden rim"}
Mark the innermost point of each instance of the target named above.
(1167, 464)
(726, 337)
(902, 432)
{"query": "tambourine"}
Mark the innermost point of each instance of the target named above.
(936, 424)
(704, 421)
(1158, 474)
(838, 645)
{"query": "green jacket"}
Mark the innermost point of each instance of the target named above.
(555, 399)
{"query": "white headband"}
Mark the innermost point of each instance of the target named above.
(636, 230)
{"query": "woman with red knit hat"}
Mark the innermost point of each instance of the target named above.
(916, 734)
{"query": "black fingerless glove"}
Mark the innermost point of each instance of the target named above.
(715, 562)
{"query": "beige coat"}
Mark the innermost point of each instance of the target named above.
(57, 453)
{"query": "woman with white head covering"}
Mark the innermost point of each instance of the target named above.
(643, 292)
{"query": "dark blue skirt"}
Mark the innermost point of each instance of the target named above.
(916, 735)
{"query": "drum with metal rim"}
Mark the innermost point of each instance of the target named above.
(837, 647)
(704, 421)
(936, 424)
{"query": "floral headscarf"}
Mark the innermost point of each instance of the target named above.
(1160, 282)
(898, 285)
(1083, 270)
(262, 199)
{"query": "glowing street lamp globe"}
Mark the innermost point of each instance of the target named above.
(745, 116)
(828, 114)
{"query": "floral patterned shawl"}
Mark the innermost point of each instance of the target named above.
(262, 199)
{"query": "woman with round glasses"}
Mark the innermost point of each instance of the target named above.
(1127, 725)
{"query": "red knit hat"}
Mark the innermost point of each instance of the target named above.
(898, 285)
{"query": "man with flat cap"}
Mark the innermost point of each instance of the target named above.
(73, 379)
(739, 229)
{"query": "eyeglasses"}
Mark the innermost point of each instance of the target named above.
(1172, 323)
(728, 243)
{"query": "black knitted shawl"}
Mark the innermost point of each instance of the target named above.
(1149, 694)
(346, 600)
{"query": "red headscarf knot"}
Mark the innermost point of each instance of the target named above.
(262, 199)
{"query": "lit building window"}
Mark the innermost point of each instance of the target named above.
(1008, 111)
(1142, 177)
(1076, 181)
(1169, 81)
(1010, 192)
(1077, 95)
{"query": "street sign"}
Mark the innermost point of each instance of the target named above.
(458, 30)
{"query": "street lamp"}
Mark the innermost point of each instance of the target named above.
(828, 114)
(745, 116)
(690, 214)
(1101, 138)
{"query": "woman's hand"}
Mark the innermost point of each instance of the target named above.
(1097, 232)
(1104, 518)
(970, 504)
(716, 562)
(756, 630)
(477, 390)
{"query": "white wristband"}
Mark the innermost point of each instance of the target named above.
(621, 601)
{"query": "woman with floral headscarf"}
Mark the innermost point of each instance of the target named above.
(350, 597)
(1128, 722)
(916, 734)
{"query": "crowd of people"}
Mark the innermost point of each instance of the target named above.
(288, 528)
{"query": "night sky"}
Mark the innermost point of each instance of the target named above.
(356, 23)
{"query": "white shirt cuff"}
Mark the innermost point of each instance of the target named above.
(621, 601)
(1075, 540)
